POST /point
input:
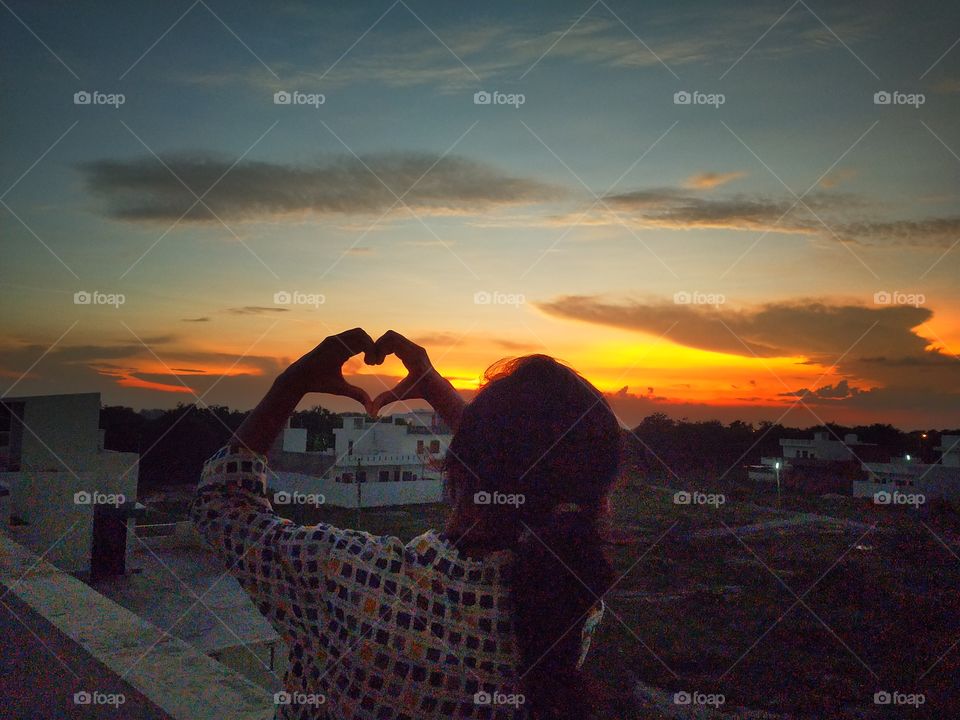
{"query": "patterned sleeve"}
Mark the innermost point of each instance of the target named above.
(283, 566)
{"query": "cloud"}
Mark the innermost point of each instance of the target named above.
(831, 216)
(397, 55)
(939, 232)
(452, 339)
(879, 347)
(806, 327)
(710, 180)
(117, 370)
(839, 391)
(255, 310)
(837, 177)
(674, 209)
(195, 320)
(947, 86)
(143, 189)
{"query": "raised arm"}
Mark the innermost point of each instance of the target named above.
(279, 563)
(422, 381)
(320, 370)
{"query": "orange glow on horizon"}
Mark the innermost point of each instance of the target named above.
(135, 382)
(677, 374)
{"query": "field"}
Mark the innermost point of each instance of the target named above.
(806, 610)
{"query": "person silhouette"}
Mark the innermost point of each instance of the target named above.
(492, 616)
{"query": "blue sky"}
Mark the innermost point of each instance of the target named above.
(797, 201)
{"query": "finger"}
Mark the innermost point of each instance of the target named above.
(351, 342)
(393, 343)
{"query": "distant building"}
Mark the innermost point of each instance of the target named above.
(823, 447)
(949, 449)
(69, 498)
(390, 461)
(909, 476)
(402, 450)
(820, 465)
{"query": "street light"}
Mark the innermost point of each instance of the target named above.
(777, 466)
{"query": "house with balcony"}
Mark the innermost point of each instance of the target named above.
(940, 480)
(821, 464)
(395, 460)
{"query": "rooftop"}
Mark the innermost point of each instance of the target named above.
(61, 637)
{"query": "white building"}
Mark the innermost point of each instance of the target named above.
(390, 461)
(907, 475)
(823, 448)
(949, 450)
(60, 477)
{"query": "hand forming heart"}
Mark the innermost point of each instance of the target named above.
(321, 370)
(421, 375)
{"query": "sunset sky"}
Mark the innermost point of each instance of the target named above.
(784, 246)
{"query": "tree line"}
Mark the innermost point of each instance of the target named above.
(173, 444)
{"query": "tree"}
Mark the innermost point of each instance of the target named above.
(319, 423)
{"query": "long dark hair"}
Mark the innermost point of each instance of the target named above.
(540, 432)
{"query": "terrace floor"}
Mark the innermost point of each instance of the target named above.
(41, 668)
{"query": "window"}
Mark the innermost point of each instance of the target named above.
(419, 446)
(361, 476)
(384, 476)
(349, 447)
(407, 476)
(434, 446)
(396, 476)
(348, 477)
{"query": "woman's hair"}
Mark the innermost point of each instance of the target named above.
(533, 459)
